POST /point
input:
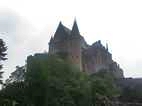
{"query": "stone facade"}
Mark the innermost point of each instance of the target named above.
(88, 58)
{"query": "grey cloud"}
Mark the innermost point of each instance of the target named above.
(16, 27)
(19, 32)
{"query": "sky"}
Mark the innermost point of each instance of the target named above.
(27, 25)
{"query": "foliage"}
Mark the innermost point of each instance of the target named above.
(14, 92)
(17, 75)
(52, 81)
(3, 49)
(103, 83)
(103, 87)
(56, 83)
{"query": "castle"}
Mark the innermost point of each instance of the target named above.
(88, 58)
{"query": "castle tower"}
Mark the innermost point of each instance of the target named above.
(75, 47)
(51, 46)
(75, 30)
(66, 41)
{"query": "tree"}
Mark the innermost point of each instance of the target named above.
(3, 53)
(54, 82)
(15, 92)
(103, 87)
(17, 75)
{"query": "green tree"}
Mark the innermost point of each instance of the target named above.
(53, 82)
(15, 92)
(17, 75)
(3, 49)
(103, 88)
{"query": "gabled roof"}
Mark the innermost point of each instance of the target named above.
(62, 32)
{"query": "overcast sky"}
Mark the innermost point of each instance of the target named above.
(30, 23)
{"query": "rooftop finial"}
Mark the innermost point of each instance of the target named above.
(60, 23)
(107, 46)
(74, 19)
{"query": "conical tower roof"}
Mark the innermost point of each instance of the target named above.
(75, 30)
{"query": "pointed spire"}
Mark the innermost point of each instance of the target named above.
(60, 23)
(60, 26)
(107, 46)
(75, 30)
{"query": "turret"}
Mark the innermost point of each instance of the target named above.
(107, 46)
(75, 50)
(51, 45)
(75, 30)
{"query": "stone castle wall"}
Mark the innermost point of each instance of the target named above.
(87, 58)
